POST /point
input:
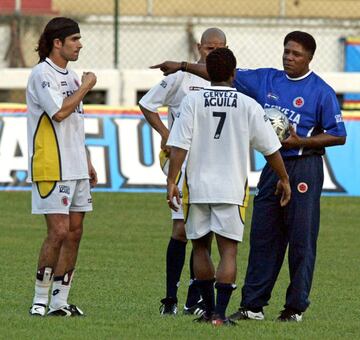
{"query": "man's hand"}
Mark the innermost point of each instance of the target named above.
(163, 145)
(283, 188)
(93, 175)
(168, 67)
(293, 141)
(173, 196)
(88, 80)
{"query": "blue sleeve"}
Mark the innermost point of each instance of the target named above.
(331, 117)
(247, 81)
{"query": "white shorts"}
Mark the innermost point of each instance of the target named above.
(61, 197)
(222, 219)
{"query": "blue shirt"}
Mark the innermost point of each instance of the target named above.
(309, 103)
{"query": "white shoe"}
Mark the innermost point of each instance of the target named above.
(37, 309)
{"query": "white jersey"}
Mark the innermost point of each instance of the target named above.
(56, 149)
(170, 92)
(217, 126)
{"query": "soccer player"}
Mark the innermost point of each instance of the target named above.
(313, 110)
(59, 168)
(216, 126)
(169, 92)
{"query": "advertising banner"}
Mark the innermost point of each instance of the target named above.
(124, 150)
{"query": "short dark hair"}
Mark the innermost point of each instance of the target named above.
(302, 38)
(56, 28)
(220, 64)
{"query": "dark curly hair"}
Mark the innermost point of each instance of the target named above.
(302, 38)
(220, 64)
(56, 28)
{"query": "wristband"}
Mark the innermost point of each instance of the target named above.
(183, 66)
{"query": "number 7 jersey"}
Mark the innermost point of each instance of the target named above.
(217, 125)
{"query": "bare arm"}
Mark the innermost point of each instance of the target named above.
(70, 103)
(314, 142)
(168, 67)
(177, 157)
(283, 186)
(91, 169)
(154, 120)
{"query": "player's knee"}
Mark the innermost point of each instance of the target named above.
(178, 232)
(76, 233)
(58, 234)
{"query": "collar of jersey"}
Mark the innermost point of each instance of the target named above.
(299, 78)
(55, 67)
(219, 88)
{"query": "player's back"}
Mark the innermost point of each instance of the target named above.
(225, 123)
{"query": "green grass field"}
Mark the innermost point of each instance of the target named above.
(120, 276)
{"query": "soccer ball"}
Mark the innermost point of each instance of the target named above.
(279, 122)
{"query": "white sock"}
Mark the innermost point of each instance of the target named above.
(42, 286)
(60, 290)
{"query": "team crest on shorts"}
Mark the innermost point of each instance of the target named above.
(302, 187)
(299, 102)
(65, 201)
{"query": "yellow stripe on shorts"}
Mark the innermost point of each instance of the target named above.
(185, 199)
(45, 188)
(242, 213)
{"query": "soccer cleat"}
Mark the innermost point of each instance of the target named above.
(246, 314)
(168, 306)
(203, 319)
(197, 309)
(217, 321)
(66, 311)
(37, 309)
(289, 314)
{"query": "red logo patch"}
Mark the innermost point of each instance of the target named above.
(65, 201)
(302, 187)
(298, 102)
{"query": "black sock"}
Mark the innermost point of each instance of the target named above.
(224, 291)
(175, 258)
(193, 295)
(206, 289)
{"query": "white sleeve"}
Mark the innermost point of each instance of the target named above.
(262, 135)
(48, 93)
(182, 130)
(160, 94)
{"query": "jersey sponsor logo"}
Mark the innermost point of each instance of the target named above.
(273, 96)
(302, 187)
(291, 114)
(63, 83)
(299, 102)
(339, 119)
(65, 189)
(195, 88)
(163, 84)
(45, 84)
(65, 201)
(220, 98)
